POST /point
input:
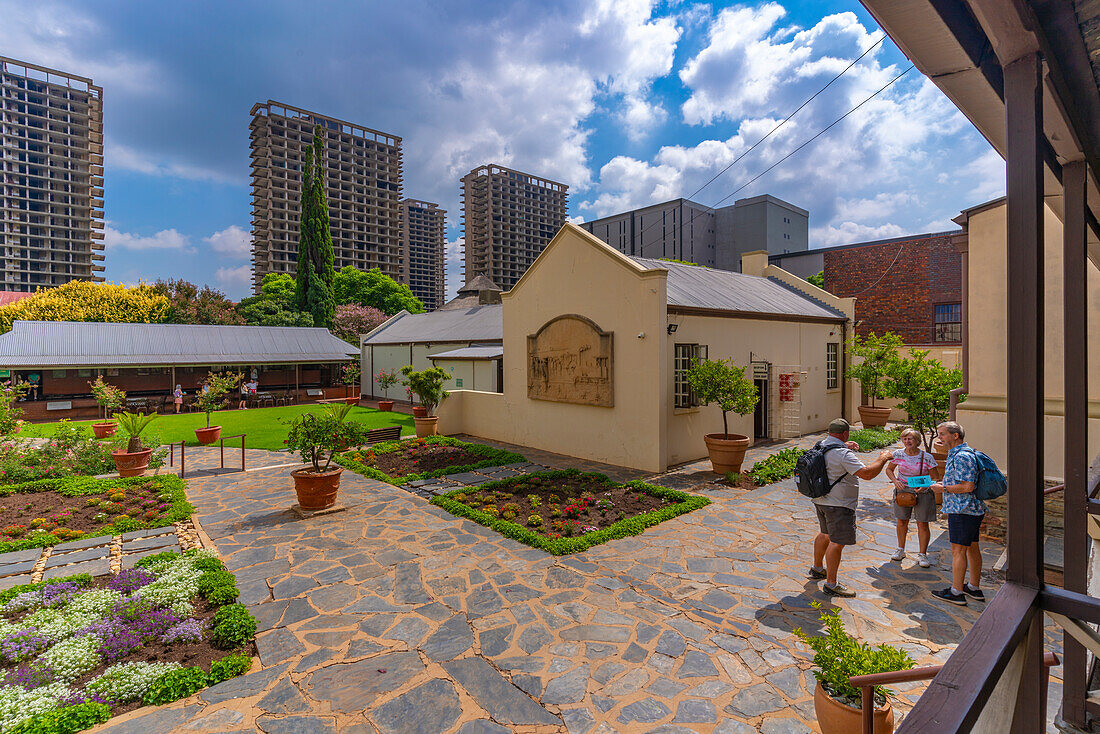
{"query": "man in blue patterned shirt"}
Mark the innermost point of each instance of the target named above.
(965, 513)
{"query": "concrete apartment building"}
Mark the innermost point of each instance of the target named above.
(362, 181)
(682, 229)
(51, 177)
(423, 238)
(509, 217)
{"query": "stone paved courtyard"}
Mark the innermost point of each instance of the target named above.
(395, 616)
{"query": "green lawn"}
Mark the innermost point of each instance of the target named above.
(264, 427)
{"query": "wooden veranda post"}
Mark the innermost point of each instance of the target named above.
(1024, 167)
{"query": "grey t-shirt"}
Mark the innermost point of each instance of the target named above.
(838, 461)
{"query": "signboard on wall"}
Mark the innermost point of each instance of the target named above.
(569, 360)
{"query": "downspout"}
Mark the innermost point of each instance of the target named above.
(965, 332)
(842, 368)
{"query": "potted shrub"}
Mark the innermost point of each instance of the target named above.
(386, 379)
(419, 411)
(109, 398)
(349, 375)
(212, 397)
(427, 385)
(134, 460)
(318, 437)
(722, 382)
(878, 354)
(838, 657)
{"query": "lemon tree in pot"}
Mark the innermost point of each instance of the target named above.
(349, 375)
(427, 385)
(318, 437)
(878, 354)
(721, 381)
(109, 398)
(838, 657)
(212, 397)
(134, 460)
(386, 379)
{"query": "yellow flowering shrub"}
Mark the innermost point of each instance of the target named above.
(82, 300)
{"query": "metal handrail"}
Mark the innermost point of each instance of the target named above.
(1052, 490)
(221, 447)
(867, 684)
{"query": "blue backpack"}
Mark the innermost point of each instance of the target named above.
(991, 482)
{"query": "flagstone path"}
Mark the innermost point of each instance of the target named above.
(397, 617)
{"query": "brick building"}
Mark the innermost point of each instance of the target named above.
(911, 285)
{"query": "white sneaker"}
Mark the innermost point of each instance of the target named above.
(898, 554)
(922, 560)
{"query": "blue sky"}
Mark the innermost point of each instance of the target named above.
(628, 101)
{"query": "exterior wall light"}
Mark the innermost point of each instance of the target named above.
(672, 329)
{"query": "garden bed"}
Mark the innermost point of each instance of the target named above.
(567, 511)
(76, 651)
(400, 462)
(51, 511)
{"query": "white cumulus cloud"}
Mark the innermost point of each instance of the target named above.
(166, 239)
(232, 241)
(234, 280)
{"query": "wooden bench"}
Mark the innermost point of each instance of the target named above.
(376, 435)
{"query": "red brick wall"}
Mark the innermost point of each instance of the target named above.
(912, 277)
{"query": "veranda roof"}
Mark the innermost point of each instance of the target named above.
(76, 344)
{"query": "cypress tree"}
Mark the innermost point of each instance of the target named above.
(313, 289)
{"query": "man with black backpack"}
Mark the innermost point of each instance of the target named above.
(829, 473)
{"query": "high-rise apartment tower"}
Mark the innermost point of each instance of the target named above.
(362, 182)
(509, 218)
(51, 177)
(424, 237)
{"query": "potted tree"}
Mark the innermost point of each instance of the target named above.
(134, 460)
(877, 353)
(109, 398)
(838, 657)
(386, 379)
(212, 397)
(721, 381)
(924, 388)
(349, 375)
(318, 437)
(427, 385)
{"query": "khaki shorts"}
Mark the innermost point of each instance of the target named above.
(924, 511)
(839, 523)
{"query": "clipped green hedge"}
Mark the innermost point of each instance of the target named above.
(77, 486)
(183, 682)
(65, 720)
(562, 546)
(779, 465)
(873, 439)
(491, 457)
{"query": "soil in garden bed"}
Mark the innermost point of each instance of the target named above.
(567, 506)
(414, 458)
(53, 510)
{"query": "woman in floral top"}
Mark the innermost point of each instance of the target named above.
(912, 461)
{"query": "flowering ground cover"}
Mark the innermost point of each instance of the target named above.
(71, 450)
(398, 462)
(74, 652)
(50, 511)
(567, 511)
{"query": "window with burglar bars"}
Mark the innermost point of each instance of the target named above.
(832, 364)
(948, 327)
(683, 356)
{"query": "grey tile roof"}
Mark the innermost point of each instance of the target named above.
(477, 323)
(698, 287)
(96, 344)
(471, 353)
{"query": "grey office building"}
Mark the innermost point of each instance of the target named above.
(682, 229)
(51, 177)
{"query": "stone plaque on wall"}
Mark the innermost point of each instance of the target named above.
(569, 361)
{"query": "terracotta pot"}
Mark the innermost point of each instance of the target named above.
(352, 400)
(873, 417)
(726, 454)
(316, 491)
(207, 436)
(419, 411)
(426, 426)
(103, 430)
(385, 405)
(131, 464)
(835, 717)
(939, 450)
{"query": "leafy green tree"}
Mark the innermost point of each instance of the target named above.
(924, 388)
(878, 354)
(275, 305)
(374, 289)
(721, 381)
(817, 279)
(315, 269)
(215, 388)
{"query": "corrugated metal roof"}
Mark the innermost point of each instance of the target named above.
(478, 323)
(95, 344)
(698, 287)
(471, 353)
